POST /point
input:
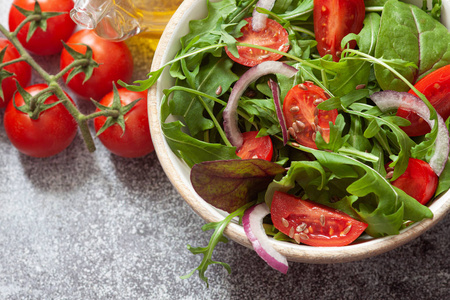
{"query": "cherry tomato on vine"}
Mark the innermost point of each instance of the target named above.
(48, 135)
(313, 224)
(436, 88)
(302, 116)
(255, 147)
(419, 180)
(136, 140)
(114, 59)
(21, 72)
(333, 20)
(58, 27)
(273, 36)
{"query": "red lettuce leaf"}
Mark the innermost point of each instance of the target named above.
(229, 184)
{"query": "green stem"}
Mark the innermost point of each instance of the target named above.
(28, 19)
(35, 98)
(11, 62)
(75, 63)
(103, 113)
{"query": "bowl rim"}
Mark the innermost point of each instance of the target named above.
(299, 253)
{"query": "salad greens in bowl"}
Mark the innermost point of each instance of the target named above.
(310, 131)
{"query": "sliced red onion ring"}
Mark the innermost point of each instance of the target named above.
(253, 226)
(259, 19)
(387, 100)
(276, 99)
(230, 125)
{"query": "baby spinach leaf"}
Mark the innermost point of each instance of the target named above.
(230, 184)
(410, 34)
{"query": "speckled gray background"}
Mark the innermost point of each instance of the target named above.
(96, 226)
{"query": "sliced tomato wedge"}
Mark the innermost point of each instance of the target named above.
(419, 180)
(273, 36)
(255, 147)
(313, 224)
(333, 20)
(302, 116)
(436, 88)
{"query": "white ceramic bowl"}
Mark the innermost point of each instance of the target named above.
(178, 172)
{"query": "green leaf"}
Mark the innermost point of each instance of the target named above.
(217, 73)
(87, 69)
(40, 23)
(229, 184)
(216, 237)
(409, 34)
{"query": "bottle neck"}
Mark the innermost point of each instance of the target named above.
(88, 13)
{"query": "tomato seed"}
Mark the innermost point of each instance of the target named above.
(219, 90)
(304, 236)
(301, 227)
(285, 222)
(291, 232)
(295, 127)
(295, 145)
(291, 132)
(302, 86)
(360, 86)
(318, 101)
(389, 174)
(297, 238)
(322, 220)
(294, 109)
(300, 124)
(347, 229)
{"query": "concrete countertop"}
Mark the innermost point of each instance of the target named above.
(83, 225)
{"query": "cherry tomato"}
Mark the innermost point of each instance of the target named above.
(273, 36)
(333, 20)
(313, 224)
(255, 147)
(302, 116)
(21, 71)
(419, 180)
(436, 87)
(48, 135)
(58, 28)
(136, 141)
(115, 62)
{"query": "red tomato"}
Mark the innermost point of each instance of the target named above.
(58, 27)
(436, 87)
(50, 134)
(333, 20)
(136, 141)
(273, 36)
(21, 71)
(302, 116)
(254, 147)
(115, 62)
(419, 180)
(313, 224)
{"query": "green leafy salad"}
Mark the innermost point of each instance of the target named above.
(330, 119)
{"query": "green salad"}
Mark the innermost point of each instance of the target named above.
(314, 122)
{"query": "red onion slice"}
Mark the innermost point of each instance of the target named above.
(259, 19)
(387, 100)
(230, 124)
(276, 99)
(253, 226)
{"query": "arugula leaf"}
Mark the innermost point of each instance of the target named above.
(216, 237)
(217, 73)
(364, 193)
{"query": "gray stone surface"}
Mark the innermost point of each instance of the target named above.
(95, 226)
